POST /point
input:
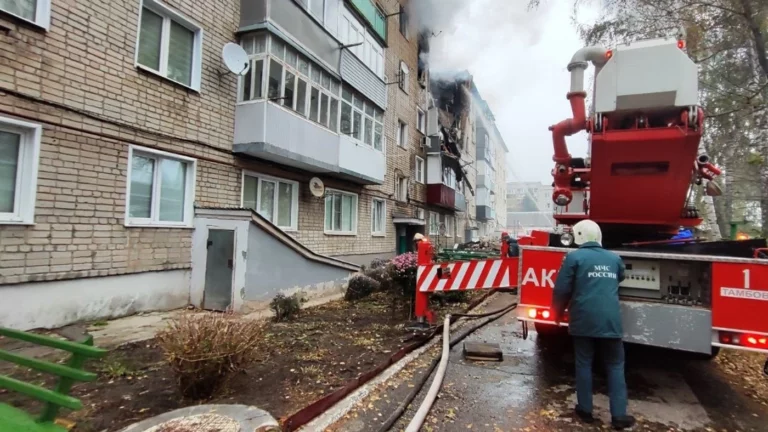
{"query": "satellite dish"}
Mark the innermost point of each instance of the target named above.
(316, 187)
(235, 59)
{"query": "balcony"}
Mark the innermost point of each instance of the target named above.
(266, 131)
(485, 213)
(484, 181)
(460, 202)
(373, 17)
(441, 195)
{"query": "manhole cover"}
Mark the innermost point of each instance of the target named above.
(198, 423)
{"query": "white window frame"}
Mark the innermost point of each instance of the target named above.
(169, 15)
(370, 53)
(268, 57)
(383, 231)
(294, 197)
(42, 15)
(419, 170)
(189, 190)
(321, 19)
(354, 219)
(363, 116)
(421, 120)
(402, 133)
(26, 171)
(403, 73)
(436, 226)
(401, 188)
(449, 225)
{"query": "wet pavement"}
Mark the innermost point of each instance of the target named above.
(532, 389)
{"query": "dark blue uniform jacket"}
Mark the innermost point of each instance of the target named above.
(588, 285)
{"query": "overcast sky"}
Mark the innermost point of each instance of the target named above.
(518, 59)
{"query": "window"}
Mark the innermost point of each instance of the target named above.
(401, 189)
(161, 188)
(419, 170)
(340, 213)
(292, 81)
(378, 215)
(448, 226)
(277, 200)
(434, 223)
(361, 120)
(169, 44)
(403, 21)
(420, 213)
(403, 81)
(421, 121)
(449, 177)
(369, 52)
(37, 12)
(19, 153)
(317, 9)
(402, 134)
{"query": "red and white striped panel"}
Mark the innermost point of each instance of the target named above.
(466, 275)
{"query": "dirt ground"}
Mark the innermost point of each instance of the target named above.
(745, 370)
(300, 362)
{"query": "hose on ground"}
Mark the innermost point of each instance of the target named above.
(421, 414)
(395, 416)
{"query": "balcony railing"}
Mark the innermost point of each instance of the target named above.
(376, 20)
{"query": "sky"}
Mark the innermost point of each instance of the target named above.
(518, 59)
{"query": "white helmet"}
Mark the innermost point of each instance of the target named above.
(587, 231)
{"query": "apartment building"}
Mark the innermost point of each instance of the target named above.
(529, 207)
(491, 168)
(128, 148)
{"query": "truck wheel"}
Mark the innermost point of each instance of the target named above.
(547, 330)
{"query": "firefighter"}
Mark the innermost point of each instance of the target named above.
(416, 240)
(588, 284)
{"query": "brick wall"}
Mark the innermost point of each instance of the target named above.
(79, 82)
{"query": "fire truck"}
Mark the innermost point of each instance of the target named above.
(638, 181)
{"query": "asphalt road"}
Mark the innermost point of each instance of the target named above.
(532, 390)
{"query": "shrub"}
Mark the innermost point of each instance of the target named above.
(383, 274)
(360, 286)
(450, 297)
(205, 350)
(404, 273)
(378, 263)
(286, 307)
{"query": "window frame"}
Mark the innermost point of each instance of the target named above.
(268, 57)
(402, 138)
(383, 231)
(436, 226)
(27, 165)
(421, 121)
(363, 117)
(403, 23)
(168, 14)
(42, 15)
(419, 169)
(277, 180)
(449, 222)
(370, 53)
(189, 190)
(403, 73)
(401, 188)
(356, 206)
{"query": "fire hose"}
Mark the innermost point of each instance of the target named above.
(443, 362)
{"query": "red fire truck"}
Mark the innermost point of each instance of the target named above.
(643, 168)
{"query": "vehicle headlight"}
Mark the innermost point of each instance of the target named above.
(566, 239)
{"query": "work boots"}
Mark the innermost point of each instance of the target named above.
(624, 422)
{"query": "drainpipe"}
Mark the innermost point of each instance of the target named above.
(562, 173)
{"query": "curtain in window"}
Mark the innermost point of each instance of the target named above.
(267, 204)
(250, 192)
(24, 8)
(347, 212)
(150, 38)
(180, 52)
(337, 213)
(142, 175)
(284, 204)
(328, 212)
(173, 175)
(10, 144)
